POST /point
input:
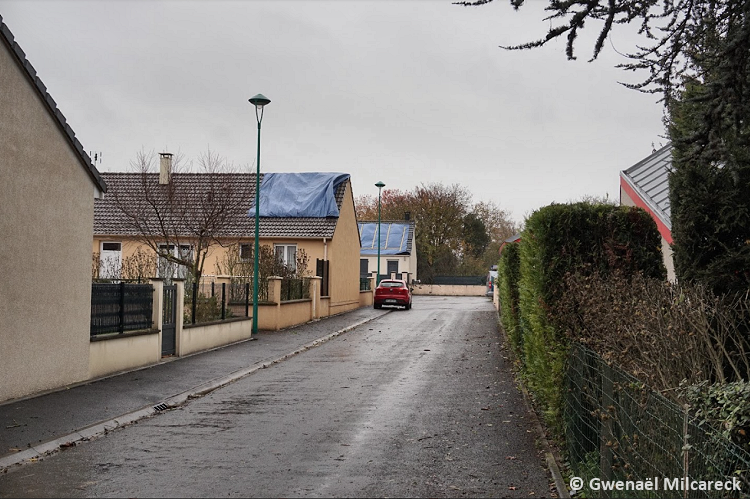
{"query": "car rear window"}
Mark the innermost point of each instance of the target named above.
(391, 284)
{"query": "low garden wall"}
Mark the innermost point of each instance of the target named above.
(449, 290)
(117, 352)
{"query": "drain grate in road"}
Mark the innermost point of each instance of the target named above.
(161, 407)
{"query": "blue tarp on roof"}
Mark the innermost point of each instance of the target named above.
(307, 195)
(394, 238)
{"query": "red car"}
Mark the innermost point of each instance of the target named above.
(393, 292)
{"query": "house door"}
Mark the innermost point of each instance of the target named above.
(169, 321)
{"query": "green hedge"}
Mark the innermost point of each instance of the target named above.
(508, 273)
(567, 238)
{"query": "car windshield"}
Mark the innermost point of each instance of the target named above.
(391, 284)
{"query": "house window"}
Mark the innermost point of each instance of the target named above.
(287, 254)
(246, 252)
(364, 267)
(171, 270)
(110, 260)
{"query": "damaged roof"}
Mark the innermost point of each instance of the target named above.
(138, 193)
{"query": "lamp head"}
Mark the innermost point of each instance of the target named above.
(259, 101)
(380, 185)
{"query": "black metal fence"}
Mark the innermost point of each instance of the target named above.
(207, 302)
(116, 308)
(364, 284)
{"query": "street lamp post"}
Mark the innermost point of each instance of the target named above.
(259, 101)
(379, 185)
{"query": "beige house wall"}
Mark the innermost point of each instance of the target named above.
(216, 259)
(666, 248)
(46, 222)
(343, 253)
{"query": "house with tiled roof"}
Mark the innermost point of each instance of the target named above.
(47, 202)
(398, 251)
(290, 222)
(646, 185)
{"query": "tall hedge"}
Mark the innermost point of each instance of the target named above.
(508, 273)
(562, 238)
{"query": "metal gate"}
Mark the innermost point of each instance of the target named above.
(169, 321)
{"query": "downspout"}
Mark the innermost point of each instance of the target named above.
(325, 249)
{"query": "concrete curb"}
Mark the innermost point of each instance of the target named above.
(50, 447)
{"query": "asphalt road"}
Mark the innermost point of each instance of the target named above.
(417, 403)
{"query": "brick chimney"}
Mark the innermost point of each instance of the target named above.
(165, 167)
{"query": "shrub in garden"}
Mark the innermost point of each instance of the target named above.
(664, 334)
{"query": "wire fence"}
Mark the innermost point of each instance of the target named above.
(617, 429)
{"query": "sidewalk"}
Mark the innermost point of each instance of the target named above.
(40, 425)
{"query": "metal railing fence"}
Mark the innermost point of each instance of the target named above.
(210, 300)
(116, 308)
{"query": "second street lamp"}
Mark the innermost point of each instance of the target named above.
(379, 185)
(259, 101)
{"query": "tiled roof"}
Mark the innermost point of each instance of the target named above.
(649, 178)
(15, 49)
(396, 237)
(127, 190)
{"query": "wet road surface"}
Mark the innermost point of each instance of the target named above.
(417, 403)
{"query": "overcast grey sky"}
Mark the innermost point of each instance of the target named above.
(407, 92)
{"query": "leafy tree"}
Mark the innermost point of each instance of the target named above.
(710, 206)
(394, 204)
(499, 223)
(452, 236)
(711, 157)
(475, 237)
(439, 211)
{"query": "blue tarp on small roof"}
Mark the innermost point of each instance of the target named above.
(394, 238)
(305, 195)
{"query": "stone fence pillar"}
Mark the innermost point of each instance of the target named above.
(315, 284)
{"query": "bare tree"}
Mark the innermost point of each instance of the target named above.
(182, 215)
